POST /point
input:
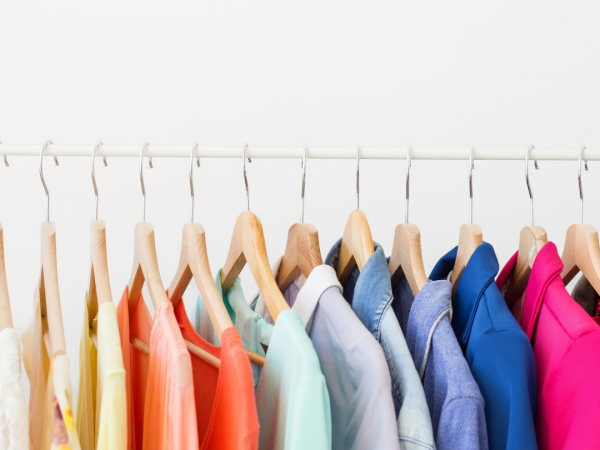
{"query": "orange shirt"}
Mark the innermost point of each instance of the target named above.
(136, 364)
(225, 406)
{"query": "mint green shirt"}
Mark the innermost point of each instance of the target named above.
(291, 394)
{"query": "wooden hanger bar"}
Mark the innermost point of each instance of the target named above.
(193, 349)
(5, 312)
(469, 239)
(99, 289)
(357, 245)
(302, 254)
(582, 253)
(531, 241)
(406, 259)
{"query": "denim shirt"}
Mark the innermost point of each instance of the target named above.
(496, 348)
(370, 294)
(455, 401)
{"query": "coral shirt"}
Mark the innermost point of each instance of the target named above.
(225, 404)
(565, 343)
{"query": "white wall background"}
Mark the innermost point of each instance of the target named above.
(270, 73)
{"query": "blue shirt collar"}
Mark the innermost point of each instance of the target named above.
(479, 273)
(370, 291)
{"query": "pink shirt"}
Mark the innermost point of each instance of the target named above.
(566, 344)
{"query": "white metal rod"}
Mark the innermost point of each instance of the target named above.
(297, 152)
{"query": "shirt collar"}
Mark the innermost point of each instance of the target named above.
(479, 273)
(368, 291)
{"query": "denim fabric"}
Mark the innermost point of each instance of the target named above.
(370, 294)
(453, 396)
(496, 349)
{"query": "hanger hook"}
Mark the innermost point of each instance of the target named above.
(471, 167)
(142, 180)
(192, 177)
(303, 163)
(579, 178)
(246, 178)
(408, 162)
(535, 164)
(44, 181)
(94, 175)
(357, 176)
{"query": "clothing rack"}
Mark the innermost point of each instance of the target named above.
(180, 151)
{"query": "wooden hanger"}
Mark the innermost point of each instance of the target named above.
(302, 251)
(469, 239)
(54, 333)
(248, 245)
(531, 241)
(582, 249)
(193, 263)
(406, 259)
(357, 242)
(145, 269)
(99, 287)
(5, 312)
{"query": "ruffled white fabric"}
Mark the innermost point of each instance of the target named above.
(14, 417)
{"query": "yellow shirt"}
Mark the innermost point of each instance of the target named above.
(102, 403)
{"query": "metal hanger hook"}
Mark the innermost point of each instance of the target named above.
(408, 162)
(535, 164)
(357, 177)
(94, 175)
(303, 185)
(44, 181)
(142, 181)
(246, 178)
(579, 178)
(192, 178)
(471, 167)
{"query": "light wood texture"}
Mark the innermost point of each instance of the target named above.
(302, 254)
(49, 293)
(406, 259)
(531, 241)
(582, 252)
(193, 349)
(145, 268)
(99, 286)
(248, 245)
(357, 245)
(469, 239)
(5, 313)
(193, 263)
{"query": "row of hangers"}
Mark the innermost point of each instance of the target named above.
(302, 254)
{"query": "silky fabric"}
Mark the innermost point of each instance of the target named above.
(497, 351)
(565, 343)
(136, 365)
(224, 397)
(14, 420)
(51, 424)
(352, 361)
(85, 418)
(291, 398)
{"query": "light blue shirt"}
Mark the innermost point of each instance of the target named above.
(370, 294)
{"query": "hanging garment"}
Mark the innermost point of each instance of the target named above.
(453, 396)
(496, 349)
(565, 343)
(136, 364)
(370, 293)
(102, 402)
(357, 376)
(14, 420)
(585, 294)
(291, 397)
(51, 424)
(224, 397)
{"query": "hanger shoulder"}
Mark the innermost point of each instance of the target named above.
(582, 252)
(99, 290)
(49, 292)
(357, 245)
(302, 254)
(470, 238)
(531, 241)
(5, 312)
(249, 237)
(183, 276)
(145, 267)
(407, 259)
